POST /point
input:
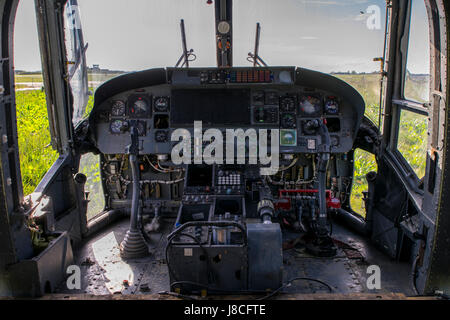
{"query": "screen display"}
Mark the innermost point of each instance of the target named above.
(212, 107)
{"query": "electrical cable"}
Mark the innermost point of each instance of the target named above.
(287, 284)
(209, 289)
(177, 295)
(199, 244)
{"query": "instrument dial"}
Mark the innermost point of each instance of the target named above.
(331, 106)
(161, 136)
(287, 104)
(288, 121)
(310, 105)
(118, 108)
(161, 104)
(139, 106)
(334, 140)
(118, 126)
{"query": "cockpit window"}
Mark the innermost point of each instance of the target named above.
(135, 35)
(75, 50)
(417, 78)
(339, 37)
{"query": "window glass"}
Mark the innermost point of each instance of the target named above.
(337, 37)
(418, 66)
(412, 140)
(141, 34)
(364, 162)
(90, 166)
(35, 153)
(76, 57)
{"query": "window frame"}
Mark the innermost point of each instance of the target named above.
(399, 103)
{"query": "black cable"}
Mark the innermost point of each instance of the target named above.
(204, 286)
(177, 295)
(292, 280)
(199, 244)
(209, 289)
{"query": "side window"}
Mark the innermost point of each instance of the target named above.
(35, 153)
(412, 135)
(412, 140)
(76, 56)
(90, 166)
(417, 78)
(364, 162)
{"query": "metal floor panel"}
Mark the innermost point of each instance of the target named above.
(105, 273)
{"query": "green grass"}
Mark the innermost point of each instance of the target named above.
(368, 85)
(412, 136)
(36, 154)
(412, 140)
(364, 162)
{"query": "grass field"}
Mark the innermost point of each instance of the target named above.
(37, 155)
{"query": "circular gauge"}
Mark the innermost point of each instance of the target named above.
(331, 106)
(118, 108)
(118, 126)
(288, 121)
(139, 106)
(310, 105)
(223, 27)
(161, 104)
(310, 127)
(287, 104)
(334, 140)
(161, 136)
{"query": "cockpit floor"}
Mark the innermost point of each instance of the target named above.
(104, 272)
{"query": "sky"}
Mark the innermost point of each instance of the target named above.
(324, 35)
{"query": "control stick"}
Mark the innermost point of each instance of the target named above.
(133, 245)
(322, 245)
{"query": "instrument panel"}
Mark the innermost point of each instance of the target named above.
(282, 100)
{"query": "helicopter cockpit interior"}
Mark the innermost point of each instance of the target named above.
(227, 179)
